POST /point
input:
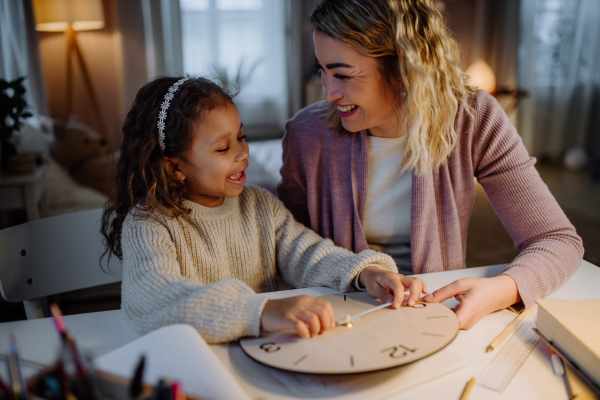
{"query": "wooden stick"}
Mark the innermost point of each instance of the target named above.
(467, 390)
(510, 329)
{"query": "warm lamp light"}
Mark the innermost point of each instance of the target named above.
(56, 15)
(70, 16)
(482, 76)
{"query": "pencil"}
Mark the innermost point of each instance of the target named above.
(467, 390)
(20, 388)
(7, 392)
(510, 329)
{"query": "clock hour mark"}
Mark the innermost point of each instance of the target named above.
(394, 350)
(431, 334)
(298, 361)
(420, 305)
(407, 348)
(269, 347)
(439, 316)
(344, 297)
(351, 361)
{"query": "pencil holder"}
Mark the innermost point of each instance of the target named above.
(47, 385)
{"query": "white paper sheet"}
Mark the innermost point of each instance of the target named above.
(177, 352)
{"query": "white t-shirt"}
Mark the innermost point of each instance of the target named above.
(386, 223)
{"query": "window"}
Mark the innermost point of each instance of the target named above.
(245, 36)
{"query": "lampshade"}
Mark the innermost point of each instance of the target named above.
(482, 76)
(56, 15)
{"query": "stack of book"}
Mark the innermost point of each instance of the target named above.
(572, 327)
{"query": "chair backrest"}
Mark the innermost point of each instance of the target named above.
(54, 255)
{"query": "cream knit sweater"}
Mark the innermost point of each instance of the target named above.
(204, 269)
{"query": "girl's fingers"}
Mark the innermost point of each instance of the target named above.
(396, 285)
(415, 286)
(381, 293)
(301, 329)
(324, 312)
(312, 320)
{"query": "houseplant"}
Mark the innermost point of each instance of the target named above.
(12, 112)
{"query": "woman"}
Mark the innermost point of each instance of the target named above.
(388, 162)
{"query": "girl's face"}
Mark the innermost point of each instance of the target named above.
(215, 164)
(353, 82)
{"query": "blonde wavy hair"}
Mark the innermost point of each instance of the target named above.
(416, 54)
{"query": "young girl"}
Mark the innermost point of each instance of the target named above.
(197, 245)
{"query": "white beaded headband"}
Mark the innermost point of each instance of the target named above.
(162, 115)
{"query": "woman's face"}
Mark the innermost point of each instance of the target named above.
(353, 82)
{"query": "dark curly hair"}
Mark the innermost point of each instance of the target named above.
(141, 179)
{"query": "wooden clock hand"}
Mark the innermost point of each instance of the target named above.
(349, 319)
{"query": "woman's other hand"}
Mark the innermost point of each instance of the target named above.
(389, 287)
(308, 316)
(477, 297)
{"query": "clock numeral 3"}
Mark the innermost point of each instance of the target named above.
(269, 347)
(394, 350)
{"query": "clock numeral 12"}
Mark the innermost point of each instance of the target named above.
(394, 349)
(269, 347)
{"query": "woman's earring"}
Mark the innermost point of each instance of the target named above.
(403, 94)
(183, 181)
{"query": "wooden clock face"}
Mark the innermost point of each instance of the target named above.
(382, 339)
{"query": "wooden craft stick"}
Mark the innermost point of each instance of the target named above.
(467, 390)
(510, 329)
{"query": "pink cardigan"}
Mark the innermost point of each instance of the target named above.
(324, 183)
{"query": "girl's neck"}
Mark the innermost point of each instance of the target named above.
(206, 201)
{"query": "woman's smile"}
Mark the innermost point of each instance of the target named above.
(347, 110)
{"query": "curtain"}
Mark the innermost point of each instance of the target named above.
(19, 52)
(559, 65)
(149, 42)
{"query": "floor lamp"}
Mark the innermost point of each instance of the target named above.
(71, 16)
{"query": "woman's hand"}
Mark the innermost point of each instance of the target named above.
(390, 286)
(478, 297)
(307, 316)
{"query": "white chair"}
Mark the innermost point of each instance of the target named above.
(54, 255)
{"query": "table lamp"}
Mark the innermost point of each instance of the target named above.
(70, 16)
(483, 77)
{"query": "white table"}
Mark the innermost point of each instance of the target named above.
(102, 332)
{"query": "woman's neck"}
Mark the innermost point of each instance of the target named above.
(390, 127)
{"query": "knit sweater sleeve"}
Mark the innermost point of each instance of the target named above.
(155, 293)
(551, 250)
(305, 259)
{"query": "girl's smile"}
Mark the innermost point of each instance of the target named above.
(238, 178)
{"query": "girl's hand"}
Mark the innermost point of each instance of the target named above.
(307, 316)
(390, 286)
(478, 297)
